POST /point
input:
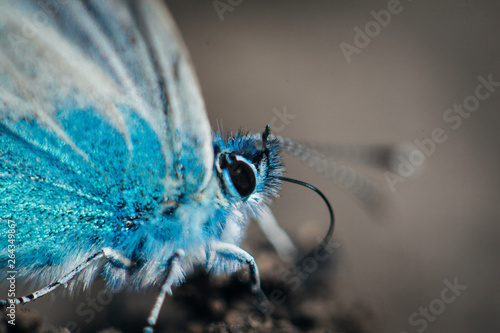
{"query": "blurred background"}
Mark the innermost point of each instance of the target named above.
(255, 59)
(371, 72)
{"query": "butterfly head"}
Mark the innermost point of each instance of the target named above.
(248, 168)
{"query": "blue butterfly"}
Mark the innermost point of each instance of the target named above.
(108, 165)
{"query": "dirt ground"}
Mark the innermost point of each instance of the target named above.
(301, 298)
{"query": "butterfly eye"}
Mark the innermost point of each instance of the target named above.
(243, 177)
(237, 174)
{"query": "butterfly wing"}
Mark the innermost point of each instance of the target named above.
(192, 135)
(101, 119)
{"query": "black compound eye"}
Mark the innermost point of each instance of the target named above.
(243, 177)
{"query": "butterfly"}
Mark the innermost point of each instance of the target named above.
(108, 165)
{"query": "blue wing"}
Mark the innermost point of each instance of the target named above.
(101, 120)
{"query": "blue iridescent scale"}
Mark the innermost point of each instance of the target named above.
(112, 198)
(69, 202)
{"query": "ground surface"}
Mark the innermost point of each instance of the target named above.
(299, 301)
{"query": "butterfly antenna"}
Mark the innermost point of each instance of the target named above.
(329, 233)
(265, 136)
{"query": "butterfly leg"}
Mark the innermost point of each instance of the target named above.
(237, 254)
(111, 255)
(166, 287)
(277, 236)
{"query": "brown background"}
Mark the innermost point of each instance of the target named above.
(441, 224)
